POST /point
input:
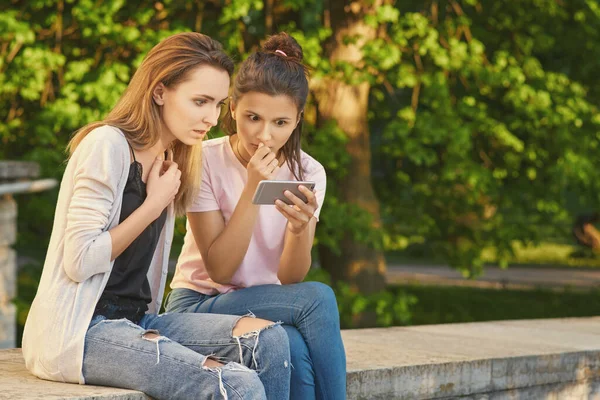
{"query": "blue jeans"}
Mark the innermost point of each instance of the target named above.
(164, 355)
(311, 319)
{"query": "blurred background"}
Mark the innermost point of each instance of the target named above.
(461, 139)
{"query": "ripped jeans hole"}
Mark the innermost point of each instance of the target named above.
(212, 362)
(256, 335)
(152, 335)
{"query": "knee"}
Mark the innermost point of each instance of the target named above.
(274, 344)
(274, 335)
(320, 293)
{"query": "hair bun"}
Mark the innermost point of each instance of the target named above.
(286, 43)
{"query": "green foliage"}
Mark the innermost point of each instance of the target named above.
(490, 126)
(439, 304)
(483, 113)
(327, 144)
(391, 308)
(65, 64)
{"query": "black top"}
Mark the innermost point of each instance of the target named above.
(127, 292)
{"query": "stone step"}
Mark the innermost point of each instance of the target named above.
(17, 383)
(532, 359)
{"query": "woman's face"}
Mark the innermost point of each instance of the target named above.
(193, 106)
(262, 118)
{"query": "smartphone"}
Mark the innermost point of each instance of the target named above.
(269, 191)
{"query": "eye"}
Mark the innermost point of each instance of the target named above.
(200, 102)
(281, 122)
(253, 117)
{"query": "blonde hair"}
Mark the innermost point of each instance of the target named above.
(138, 116)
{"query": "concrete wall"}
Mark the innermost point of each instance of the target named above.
(505, 360)
(8, 271)
(568, 391)
(535, 359)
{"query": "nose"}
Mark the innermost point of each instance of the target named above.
(211, 118)
(265, 134)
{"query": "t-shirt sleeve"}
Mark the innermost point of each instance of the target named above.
(320, 178)
(205, 199)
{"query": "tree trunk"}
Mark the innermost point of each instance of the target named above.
(361, 266)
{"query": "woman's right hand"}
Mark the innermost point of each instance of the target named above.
(262, 166)
(162, 185)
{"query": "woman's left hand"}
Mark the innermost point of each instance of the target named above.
(300, 213)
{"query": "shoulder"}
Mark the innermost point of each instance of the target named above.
(105, 136)
(213, 145)
(214, 151)
(104, 149)
(311, 166)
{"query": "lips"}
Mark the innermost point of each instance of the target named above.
(199, 132)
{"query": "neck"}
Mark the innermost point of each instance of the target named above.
(240, 151)
(163, 143)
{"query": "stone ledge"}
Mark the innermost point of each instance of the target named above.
(17, 383)
(558, 359)
(10, 170)
(477, 359)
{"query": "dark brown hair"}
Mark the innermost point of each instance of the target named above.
(270, 72)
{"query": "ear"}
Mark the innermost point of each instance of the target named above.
(232, 108)
(158, 94)
(300, 116)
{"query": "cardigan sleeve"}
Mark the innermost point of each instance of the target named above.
(99, 166)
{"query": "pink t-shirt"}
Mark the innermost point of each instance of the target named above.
(223, 180)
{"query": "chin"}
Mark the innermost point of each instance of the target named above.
(191, 141)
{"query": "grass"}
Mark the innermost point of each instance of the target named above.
(546, 254)
(550, 254)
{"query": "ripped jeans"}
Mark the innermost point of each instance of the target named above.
(311, 319)
(164, 355)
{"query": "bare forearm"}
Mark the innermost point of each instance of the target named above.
(127, 231)
(228, 250)
(296, 257)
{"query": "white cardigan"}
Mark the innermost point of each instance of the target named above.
(78, 264)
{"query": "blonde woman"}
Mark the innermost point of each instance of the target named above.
(94, 318)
